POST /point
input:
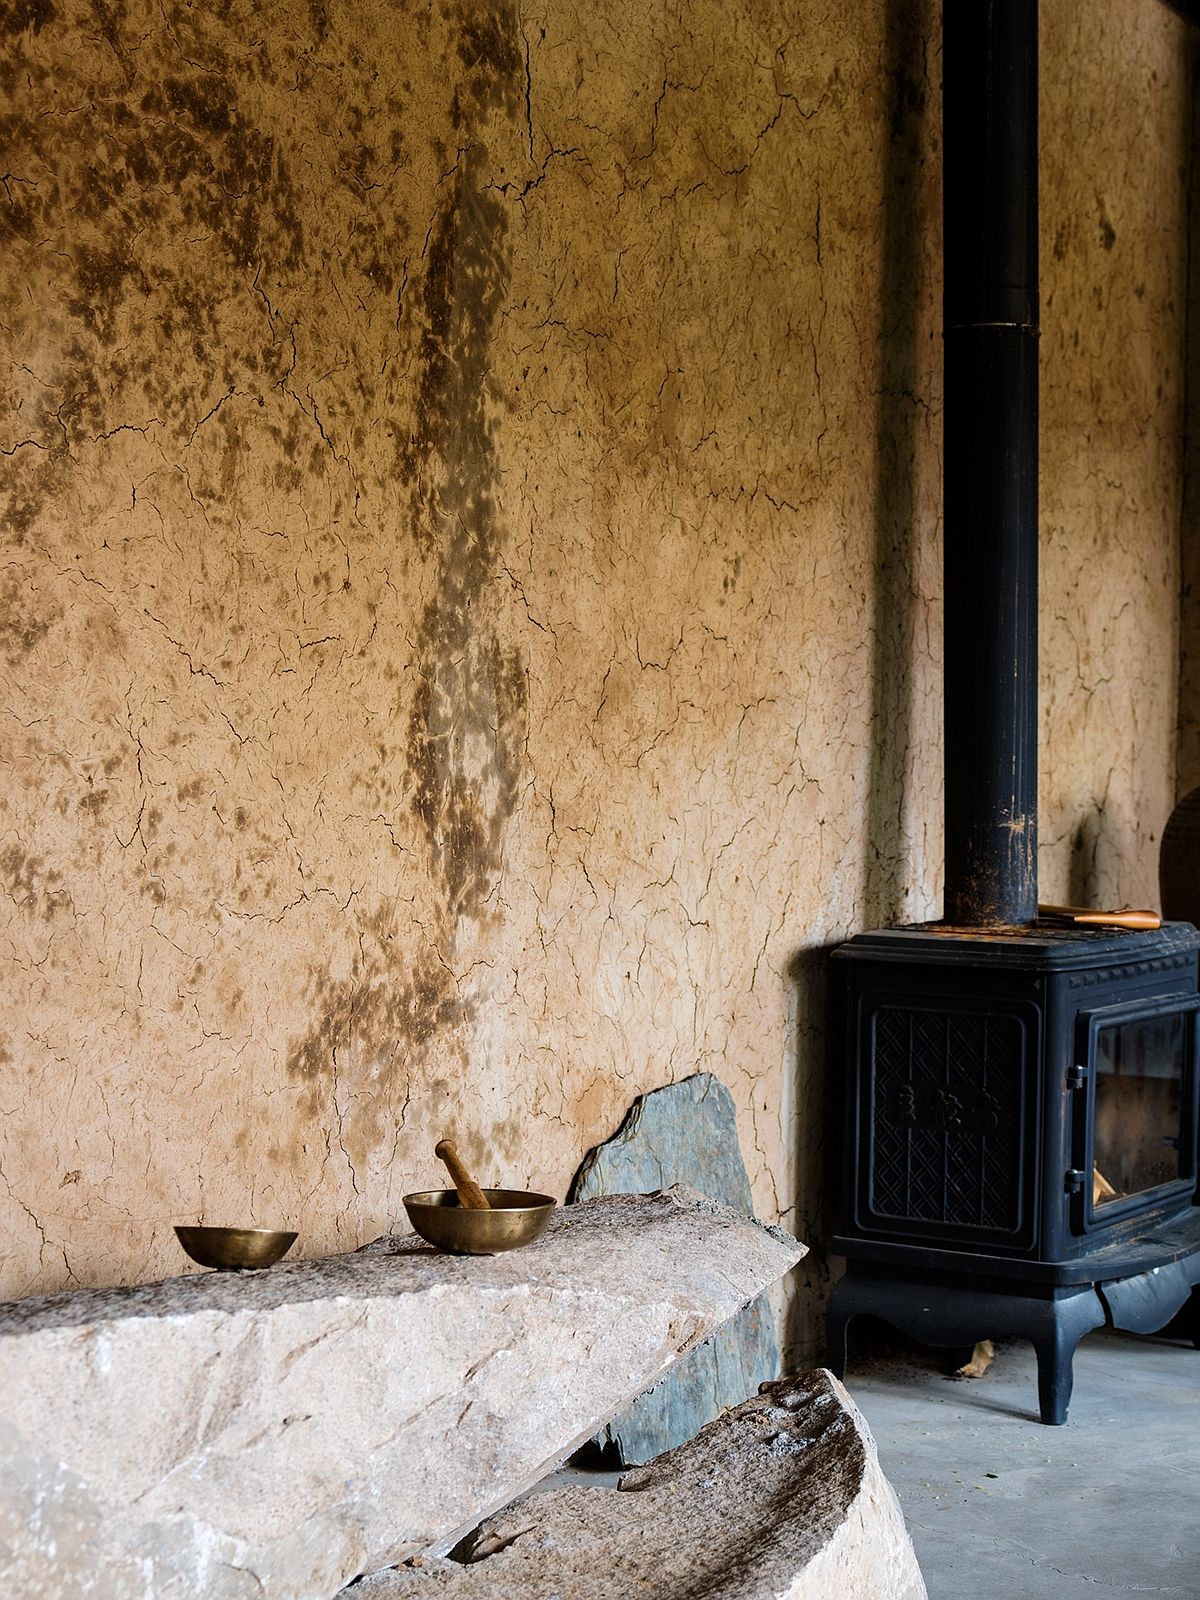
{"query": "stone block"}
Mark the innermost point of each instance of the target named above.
(782, 1498)
(685, 1133)
(279, 1433)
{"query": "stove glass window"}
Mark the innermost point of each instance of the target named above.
(1139, 1087)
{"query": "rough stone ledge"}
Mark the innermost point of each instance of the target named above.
(782, 1498)
(276, 1434)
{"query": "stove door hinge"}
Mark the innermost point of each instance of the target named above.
(1077, 1077)
(1073, 1180)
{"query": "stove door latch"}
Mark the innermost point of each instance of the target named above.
(1073, 1180)
(1077, 1077)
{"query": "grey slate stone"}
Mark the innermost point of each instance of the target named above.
(684, 1133)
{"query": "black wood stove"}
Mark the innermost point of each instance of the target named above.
(1021, 1106)
(1021, 1137)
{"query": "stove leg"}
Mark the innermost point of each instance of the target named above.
(1061, 1325)
(1055, 1357)
(837, 1327)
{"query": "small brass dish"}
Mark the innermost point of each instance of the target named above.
(514, 1218)
(236, 1249)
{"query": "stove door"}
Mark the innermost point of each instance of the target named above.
(1134, 1111)
(945, 1149)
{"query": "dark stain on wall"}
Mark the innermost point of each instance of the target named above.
(92, 802)
(32, 885)
(376, 1029)
(466, 729)
(465, 286)
(374, 1006)
(229, 175)
(466, 726)
(158, 182)
(318, 19)
(25, 16)
(488, 50)
(466, 738)
(166, 188)
(21, 628)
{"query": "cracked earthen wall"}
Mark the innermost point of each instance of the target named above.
(1188, 775)
(469, 613)
(1116, 156)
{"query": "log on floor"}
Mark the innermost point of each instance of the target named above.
(782, 1498)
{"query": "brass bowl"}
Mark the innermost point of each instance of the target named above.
(235, 1249)
(515, 1218)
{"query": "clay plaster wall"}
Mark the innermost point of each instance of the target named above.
(1188, 775)
(1116, 114)
(470, 599)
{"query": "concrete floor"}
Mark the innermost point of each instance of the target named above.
(1002, 1508)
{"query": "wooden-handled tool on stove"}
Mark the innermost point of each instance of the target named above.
(469, 1192)
(1080, 917)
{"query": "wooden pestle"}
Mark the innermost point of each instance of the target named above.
(1081, 917)
(469, 1192)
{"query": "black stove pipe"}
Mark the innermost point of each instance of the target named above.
(990, 305)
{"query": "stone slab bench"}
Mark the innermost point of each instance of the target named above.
(781, 1498)
(276, 1434)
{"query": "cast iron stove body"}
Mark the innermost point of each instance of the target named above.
(1021, 1135)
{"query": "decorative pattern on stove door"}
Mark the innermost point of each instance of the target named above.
(945, 1111)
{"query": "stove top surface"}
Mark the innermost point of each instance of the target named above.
(1044, 944)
